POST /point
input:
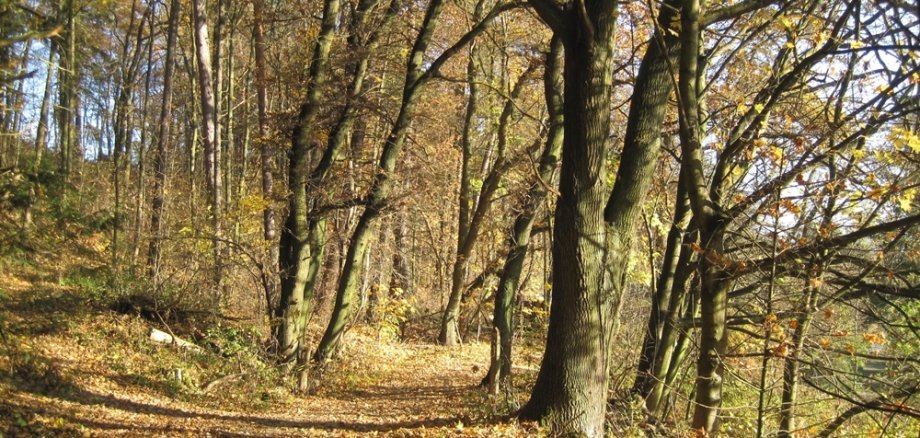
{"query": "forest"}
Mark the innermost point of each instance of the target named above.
(460, 218)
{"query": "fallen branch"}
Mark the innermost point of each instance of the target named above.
(162, 337)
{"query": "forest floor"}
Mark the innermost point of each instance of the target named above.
(71, 367)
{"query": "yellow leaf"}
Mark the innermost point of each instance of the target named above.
(906, 200)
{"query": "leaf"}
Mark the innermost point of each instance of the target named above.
(875, 338)
(906, 200)
(696, 247)
(780, 350)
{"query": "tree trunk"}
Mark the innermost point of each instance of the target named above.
(67, 90)
(668, 350)
(163, 133)
(401, 275)
(297, 255)
(209, 135)
(473, 216)
(449, 332)
(380, 189)
(266, 155)
(570, 393)
(519, 242)
(41, 135)
(141, 151)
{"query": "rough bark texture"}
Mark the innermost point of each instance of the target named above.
(570, 392)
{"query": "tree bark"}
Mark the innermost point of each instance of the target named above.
(298, 258)
(161, 157)
(570, 392)
(41, 135)
(209, 135)
(474, 214)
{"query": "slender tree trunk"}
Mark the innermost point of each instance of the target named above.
(509, 282)
(346, 291)
(714, 279)
(18, 100)
(209, 135)
(41, 135)
(124, 109)
(141, 152)
(474, 210)
(449, 333)
(161, 158)
(297, 255)
(67, 90)
(382, 184)
(266, 156)
(668, 347)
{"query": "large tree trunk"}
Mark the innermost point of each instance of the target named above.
(519, 241)
(570, 393)
(163, 132)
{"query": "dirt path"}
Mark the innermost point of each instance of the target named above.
(71, 370)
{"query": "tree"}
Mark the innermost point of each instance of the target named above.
(209, 137)
(299, 258)
(499, 374)
(417, 75)
(571, 387)
(163, 134)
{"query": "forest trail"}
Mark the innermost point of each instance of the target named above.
(71, 369)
